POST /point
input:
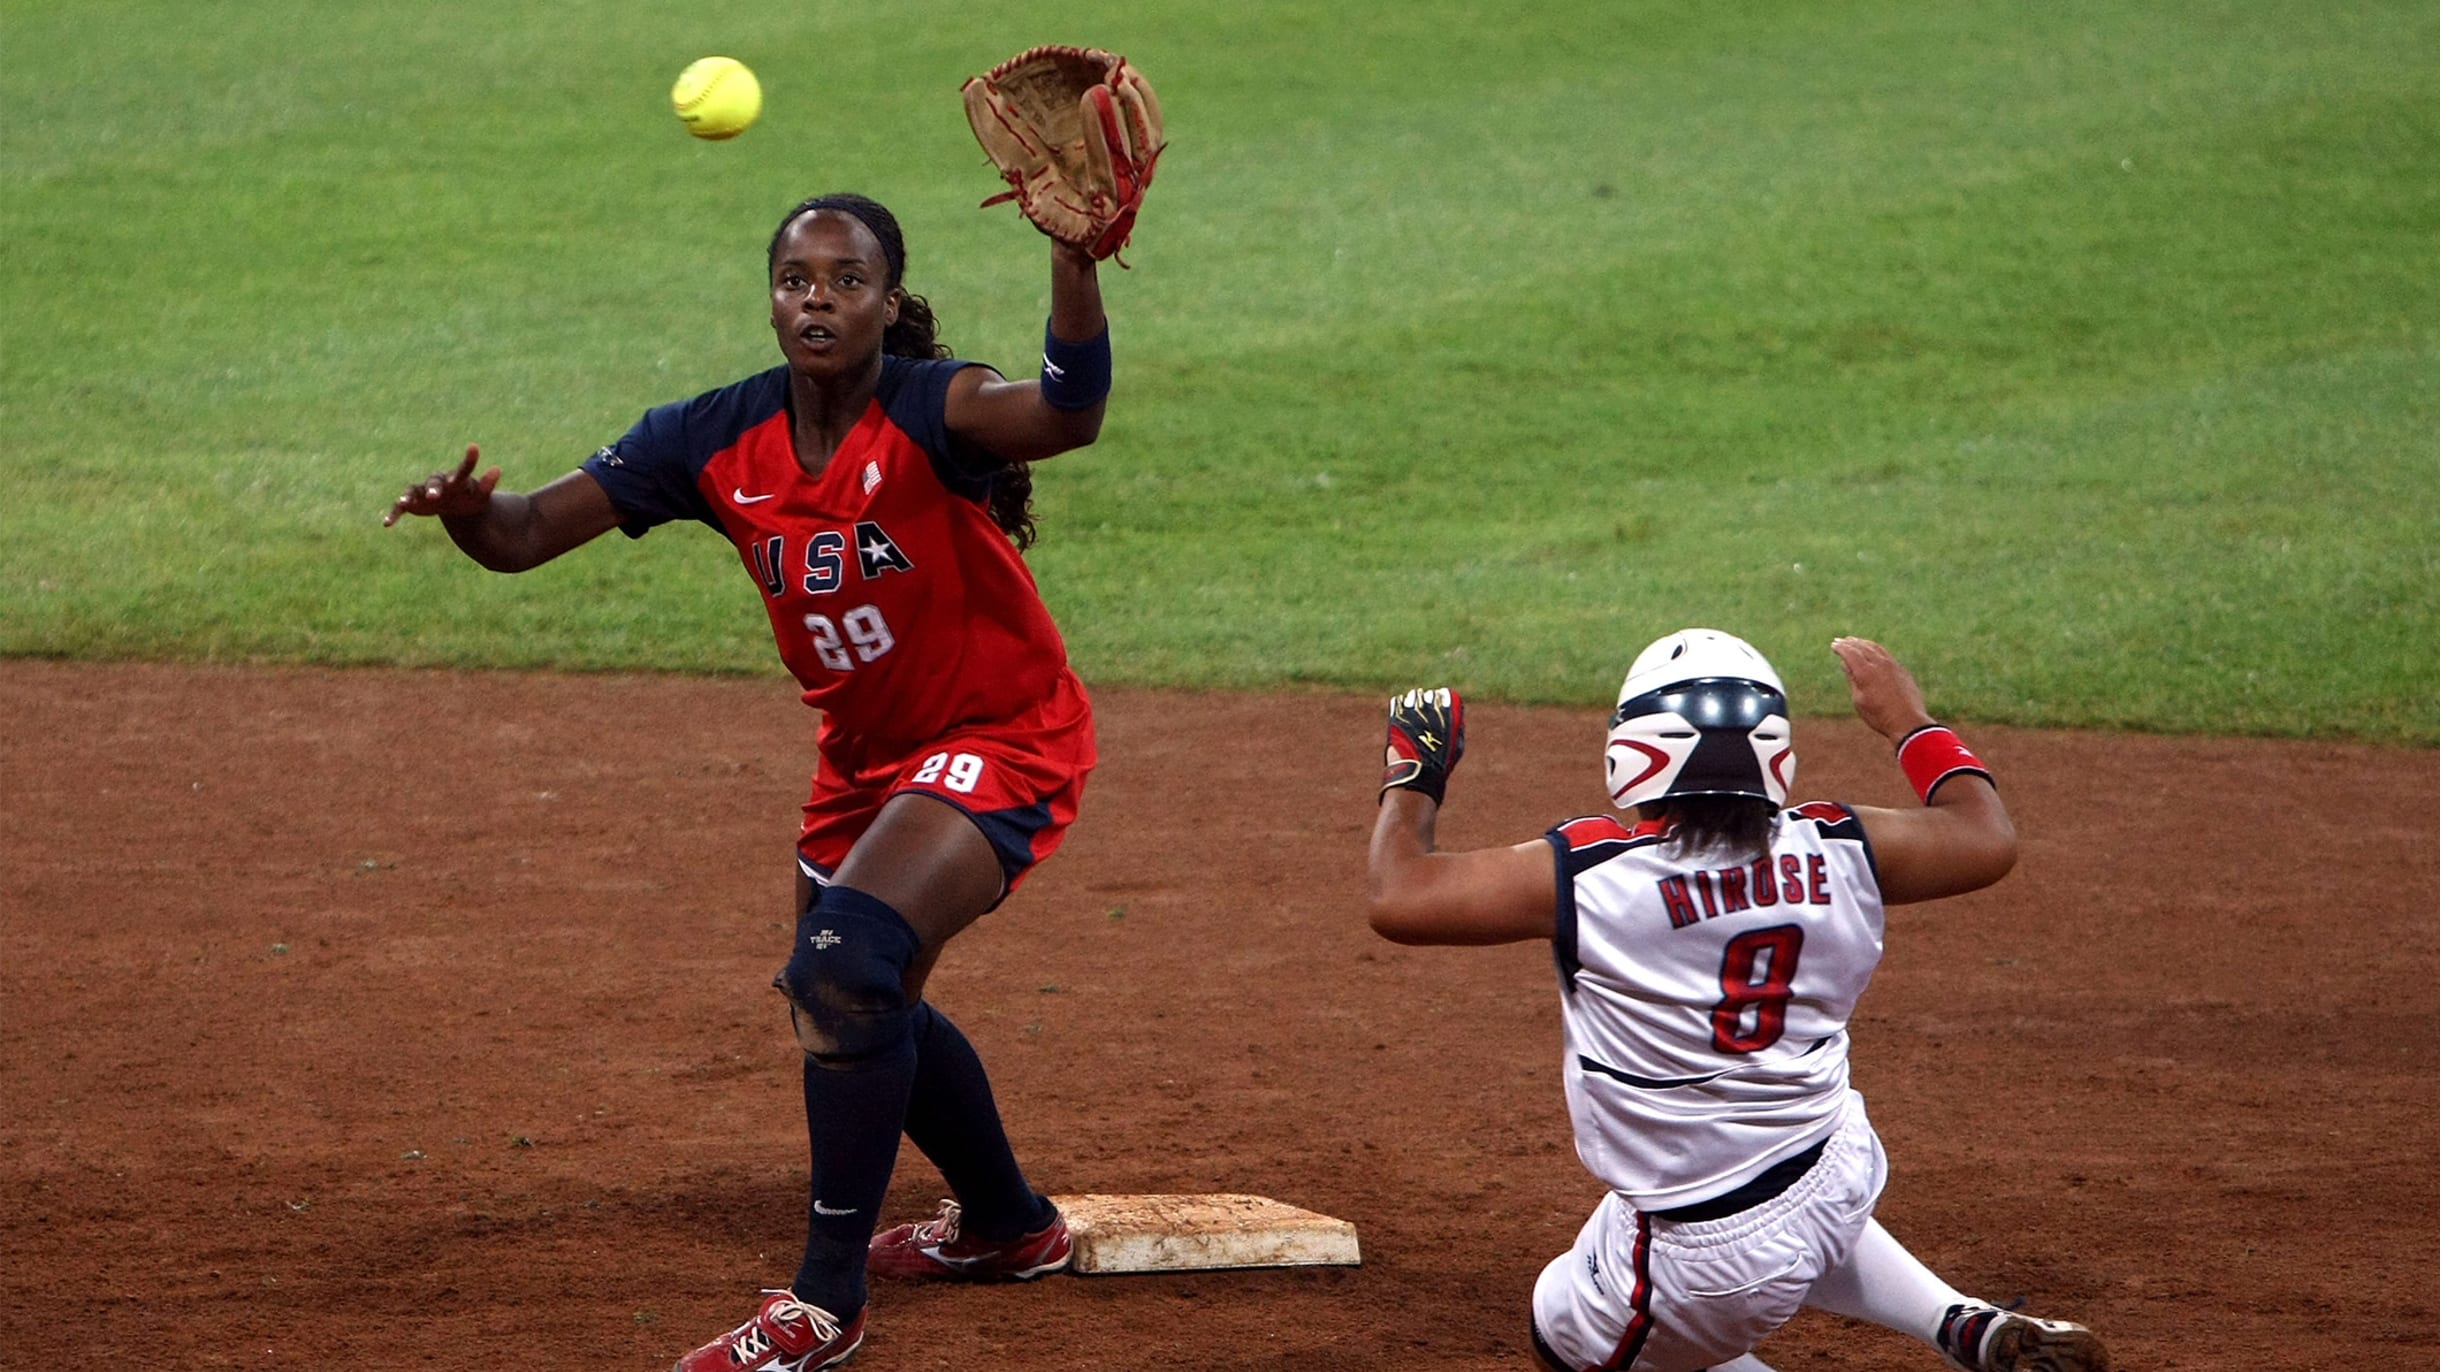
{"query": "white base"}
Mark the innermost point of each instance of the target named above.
(1199, 1233)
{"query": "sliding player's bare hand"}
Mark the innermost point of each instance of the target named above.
(1885, 693)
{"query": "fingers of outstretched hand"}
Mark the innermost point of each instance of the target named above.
(447, 492)
(425, 497)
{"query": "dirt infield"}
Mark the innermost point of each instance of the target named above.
(385, 1019)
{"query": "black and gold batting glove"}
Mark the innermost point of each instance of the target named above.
(1427, 735)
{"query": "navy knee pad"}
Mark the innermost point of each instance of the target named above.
(846, 979)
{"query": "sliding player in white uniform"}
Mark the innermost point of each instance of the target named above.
(1711, 953)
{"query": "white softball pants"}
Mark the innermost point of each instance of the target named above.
(1640, 1294)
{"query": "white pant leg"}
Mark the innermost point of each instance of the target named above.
(1594, 1298)
(1658, 1296)
(1882, 1282)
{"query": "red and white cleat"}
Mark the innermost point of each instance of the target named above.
(935, 1250)
(785, 1335)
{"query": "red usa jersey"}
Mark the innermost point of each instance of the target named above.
(1706, 999)
(901, 608)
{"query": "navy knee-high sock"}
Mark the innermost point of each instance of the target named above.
(852, 1119)
(844, 984)
(952, 1117)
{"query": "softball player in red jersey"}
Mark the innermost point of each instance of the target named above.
(876, 491)
(1711, 954)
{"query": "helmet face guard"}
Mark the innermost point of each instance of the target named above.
(1701, 714)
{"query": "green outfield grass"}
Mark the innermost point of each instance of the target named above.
(2089, 354)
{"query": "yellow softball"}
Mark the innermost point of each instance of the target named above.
(716, 97)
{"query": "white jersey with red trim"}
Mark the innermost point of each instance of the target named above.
(1706, 1000)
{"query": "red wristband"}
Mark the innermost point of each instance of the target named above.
(1933, 754)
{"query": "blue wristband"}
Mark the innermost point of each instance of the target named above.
(1075, 376)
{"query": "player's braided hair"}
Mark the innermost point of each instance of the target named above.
(916, 333)
(1739, 826)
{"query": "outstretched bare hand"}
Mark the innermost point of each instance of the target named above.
(458, 492)
(1886, 696)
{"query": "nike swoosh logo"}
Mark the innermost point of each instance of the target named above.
(818, 1207)
(738, 494)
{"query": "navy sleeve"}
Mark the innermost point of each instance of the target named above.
(915, 394)
(646, 474)
(650, 473)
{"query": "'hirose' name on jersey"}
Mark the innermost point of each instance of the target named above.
(1708, 893)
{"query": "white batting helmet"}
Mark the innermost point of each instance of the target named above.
(1701, 714)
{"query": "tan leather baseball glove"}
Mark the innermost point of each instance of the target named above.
(1075, 133)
